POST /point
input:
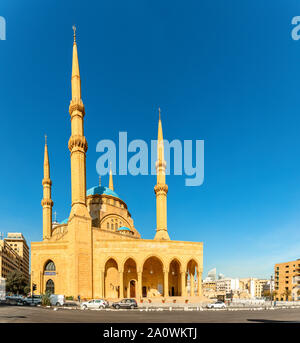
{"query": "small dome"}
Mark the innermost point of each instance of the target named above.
(101, 190)
(123, 228)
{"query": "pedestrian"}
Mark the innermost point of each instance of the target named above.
(79, 298)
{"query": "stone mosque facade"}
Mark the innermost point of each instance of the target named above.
(97, 252)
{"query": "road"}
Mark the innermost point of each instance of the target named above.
(20, 314)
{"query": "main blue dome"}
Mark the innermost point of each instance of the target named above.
(101, 190)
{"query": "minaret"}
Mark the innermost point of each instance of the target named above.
(111, 183)
(161, 189)
(47, 202)
(77, 142)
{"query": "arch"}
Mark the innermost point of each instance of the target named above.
(174, 278)
(160, 258)
(129, 275)
(111, 279)
(49, 287)
(192, 268)
(153, 276)
(110, 258)
(49, 266)
(115, 216)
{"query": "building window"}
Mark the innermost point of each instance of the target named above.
(50, 286)
(50, 266)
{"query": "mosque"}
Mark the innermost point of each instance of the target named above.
(97, 252)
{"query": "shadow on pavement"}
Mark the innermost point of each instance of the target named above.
(271, 321)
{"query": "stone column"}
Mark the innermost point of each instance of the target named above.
(102, 284)
(199, 275)
(166, 283)
(139, 291)
(121, 284)
(128, 289)
(192, 284)
(183, 289)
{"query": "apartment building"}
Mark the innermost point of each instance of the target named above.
(287, 280)
(14, 255)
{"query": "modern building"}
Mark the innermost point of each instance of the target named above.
(287, 280)
(253, 286)
(97, 251)
(227, 285)
(14, 255)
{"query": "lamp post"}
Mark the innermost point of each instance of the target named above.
(271, 289)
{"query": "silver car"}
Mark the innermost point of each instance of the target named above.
(94, 303)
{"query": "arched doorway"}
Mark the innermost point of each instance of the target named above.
(130, 277)
(153, 277)
(112, 279)
(50, 286)
(192, 285)
(132, 289)
(174, 278)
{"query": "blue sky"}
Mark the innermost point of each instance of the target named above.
(223, 71)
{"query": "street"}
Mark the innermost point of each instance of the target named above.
(20, 314)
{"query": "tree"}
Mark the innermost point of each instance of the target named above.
(266, 293)
(287, 293)
(46, 299)
(16, 282)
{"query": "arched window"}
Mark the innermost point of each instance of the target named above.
(50, 286)
(50, 266)
(116, 226)
(107, 225)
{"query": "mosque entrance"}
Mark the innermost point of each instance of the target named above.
(50, 286)
(132, 289)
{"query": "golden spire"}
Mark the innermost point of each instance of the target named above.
(47, 202)
(111, 183)
(46, 161)
(160, 140)
(161, 189)
(76, 83)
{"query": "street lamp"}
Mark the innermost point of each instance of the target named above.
(271, 289)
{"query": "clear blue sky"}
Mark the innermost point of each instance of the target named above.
(223, 71)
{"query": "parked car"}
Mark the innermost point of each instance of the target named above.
(57, 299)
(125, 303)
(94, 303)
(14, 299)
(218, 304)
(33, 300)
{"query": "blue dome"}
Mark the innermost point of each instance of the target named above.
(101, 190)
(123, 228)
(65, 221)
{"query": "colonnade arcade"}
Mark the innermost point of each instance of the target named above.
(152, 278)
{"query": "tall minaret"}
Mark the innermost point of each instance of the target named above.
(111, 183)
(47, 202)
(77, 142)
(161, 189)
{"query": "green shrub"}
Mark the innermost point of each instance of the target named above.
(46, 299)
(70, 298)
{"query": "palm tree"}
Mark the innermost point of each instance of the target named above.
(287, 293)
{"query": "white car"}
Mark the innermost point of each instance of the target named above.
(57, 300)
(218, 304)
(94, 303)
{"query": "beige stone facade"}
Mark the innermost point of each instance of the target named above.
(97, 251)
